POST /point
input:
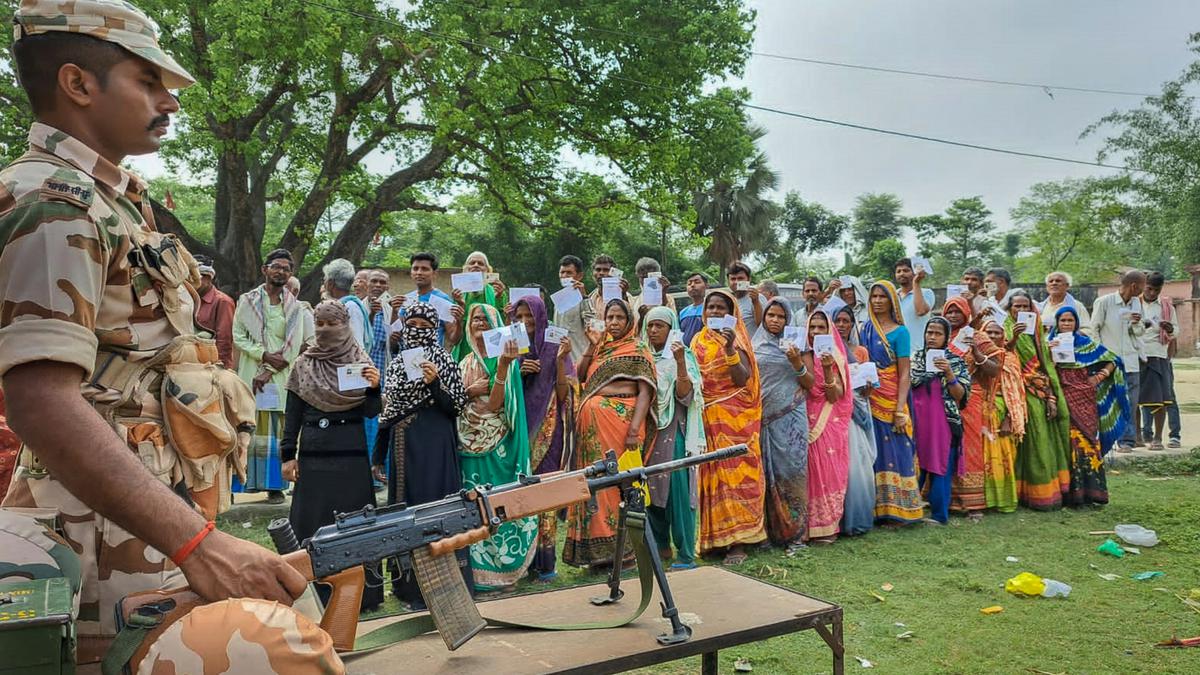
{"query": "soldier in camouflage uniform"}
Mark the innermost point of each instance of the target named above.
(91, 298)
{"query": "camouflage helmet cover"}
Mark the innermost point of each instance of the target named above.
(111, 20)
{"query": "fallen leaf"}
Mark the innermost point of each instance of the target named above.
(994, 609)
(247, 525)
(1093, 566)
(1162, 478)
(1132, 549)
(1012, 558)
(1114, 473)
(1160, 589)
(1109, 577)
(1143, 576)
(905, 635)
(878, 597)
(900, 625)
(743, 666)
(864, 663)
(887, 587)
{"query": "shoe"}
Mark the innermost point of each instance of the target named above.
(1174, 443)
(682, 566)
(1156, 445)
(275, 497)
(1139, 443)
(1124, 448)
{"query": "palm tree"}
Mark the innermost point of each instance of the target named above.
(738, 220)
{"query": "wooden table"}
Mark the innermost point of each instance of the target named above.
(724, 609)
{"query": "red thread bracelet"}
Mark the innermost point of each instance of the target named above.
(186, 550)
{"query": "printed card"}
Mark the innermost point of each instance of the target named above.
(515, 295)
(555, 334)
(467, 282)
(412, 360)
(611, 287)
(740, 286)
(1030, 319)
(1063, 348)
(615, 273)
(442, 306)
(652, 292)
(960, 340)
(350, 377)
(793, 335)
(822, 344)
(566, 299)
(521, 336)
(268, 398)
(673, 337)
(955, 290)
(833, 305)
(920, 263)
(932, 355)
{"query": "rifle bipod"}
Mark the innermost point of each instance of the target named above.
(633, 514)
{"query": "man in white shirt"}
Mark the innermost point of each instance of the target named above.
(576, 319)
(644, 268)
(916, 303)
(339, 282)
(998, 285)
(1157, 376)
(1058, 285)
(1117, 324)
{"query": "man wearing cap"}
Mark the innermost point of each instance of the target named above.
(90, 292)
(215, 313)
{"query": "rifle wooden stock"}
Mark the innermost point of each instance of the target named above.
(554, 491)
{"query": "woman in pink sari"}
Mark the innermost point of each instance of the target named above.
(829, 413)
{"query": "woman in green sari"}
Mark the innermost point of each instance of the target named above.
(494, 294)
(1044, 456)
(495, 447)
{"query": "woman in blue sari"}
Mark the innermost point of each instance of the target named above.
(897, 497)
(859, 514)
(1093, 382)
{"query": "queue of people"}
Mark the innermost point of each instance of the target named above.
(864, 406)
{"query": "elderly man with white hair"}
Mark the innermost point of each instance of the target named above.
(339, 285)
(1058, 286)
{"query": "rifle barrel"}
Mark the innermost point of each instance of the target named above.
(641, 473)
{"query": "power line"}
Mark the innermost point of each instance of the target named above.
(751, 106)
(1041, 86)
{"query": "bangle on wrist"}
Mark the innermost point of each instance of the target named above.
(186, 550)
(732, 359)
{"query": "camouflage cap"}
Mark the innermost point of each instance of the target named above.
(112, 20)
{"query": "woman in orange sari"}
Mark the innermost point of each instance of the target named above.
(732, 491)
(1004, 424)
(616, 411)
(982, 357)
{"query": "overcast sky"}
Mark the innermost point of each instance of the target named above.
(1106, 44)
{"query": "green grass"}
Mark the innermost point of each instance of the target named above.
(943, 576)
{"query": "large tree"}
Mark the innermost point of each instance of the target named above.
(961, 237)
(802, 228)
(1161, 141)
(738, 219)
(876, 217)
(1070, 226)
(345, 111)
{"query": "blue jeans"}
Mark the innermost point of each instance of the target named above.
(1133, 386)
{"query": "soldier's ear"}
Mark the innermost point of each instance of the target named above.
(77, 84)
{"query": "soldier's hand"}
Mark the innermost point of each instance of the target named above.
(223, 566)
(260, 380)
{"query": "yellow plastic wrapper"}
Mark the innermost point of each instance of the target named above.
(994, 609)
(1025, 583)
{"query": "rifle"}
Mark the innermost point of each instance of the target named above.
(424, 537)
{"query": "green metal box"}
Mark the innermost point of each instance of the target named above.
(37, 635)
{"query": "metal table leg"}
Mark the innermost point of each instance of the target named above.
(708, 663)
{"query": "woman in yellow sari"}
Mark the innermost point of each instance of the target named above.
(732, 491)
(616, 412)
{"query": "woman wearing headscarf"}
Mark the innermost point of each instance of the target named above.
(673, 499)
(494, 293)
(784, 438)
(982, 358)
(418, 431)
(732, 490)
(616, 412)
(1004, 423)
(1044, 456)
(938, 393)
(897, 497)
(855, 296)
(548, 383)
(859, 514)
(495, 447)
(829, 411)
(1093, 384)
(324, 427)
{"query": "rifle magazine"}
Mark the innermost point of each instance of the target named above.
(450, 604)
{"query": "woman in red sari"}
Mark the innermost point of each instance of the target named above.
(615, 411)
(732, 491)
(982, 357)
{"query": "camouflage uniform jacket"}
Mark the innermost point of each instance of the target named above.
(85, 276)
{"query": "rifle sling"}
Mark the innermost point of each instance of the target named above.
(419, 625)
